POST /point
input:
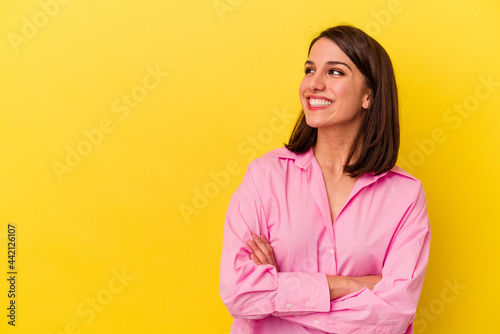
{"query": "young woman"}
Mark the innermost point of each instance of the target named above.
(326, 234)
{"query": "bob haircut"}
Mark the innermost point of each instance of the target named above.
(378, 135)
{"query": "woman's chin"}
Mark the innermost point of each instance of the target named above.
(312, 122)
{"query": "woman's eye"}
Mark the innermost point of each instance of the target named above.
(336, 72)
(308, 71)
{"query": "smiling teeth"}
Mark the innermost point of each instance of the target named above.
(319, 102)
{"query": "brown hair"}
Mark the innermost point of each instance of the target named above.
(379, 131)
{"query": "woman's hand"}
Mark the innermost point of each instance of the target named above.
(262, 252)
(341, 286)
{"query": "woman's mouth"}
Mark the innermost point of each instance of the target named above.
(319, 103)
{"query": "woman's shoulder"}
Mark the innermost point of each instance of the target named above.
(282, 156)
(402, 182)
(281, 153)
(278, 164)
(401, 172)
(395, 181)
(269, 170)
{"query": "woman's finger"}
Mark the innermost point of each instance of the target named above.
(264, 247)
(264, 240)
(255, 259)
(262, 250)
(258, 253)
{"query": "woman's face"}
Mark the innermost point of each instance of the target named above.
(333, 90)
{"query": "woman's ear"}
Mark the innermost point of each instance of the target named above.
(367, 99)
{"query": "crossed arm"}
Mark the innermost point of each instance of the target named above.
(252, 287)
(340, 286)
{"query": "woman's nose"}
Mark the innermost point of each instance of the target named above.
(317, 82)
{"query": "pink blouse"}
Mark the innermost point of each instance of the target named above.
(382, 229)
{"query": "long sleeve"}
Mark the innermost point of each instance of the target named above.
(390, 307)
(383, 228)
(254, 292)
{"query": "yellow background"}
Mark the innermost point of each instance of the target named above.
(225, 71)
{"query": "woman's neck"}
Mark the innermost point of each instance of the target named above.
(332, 151)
